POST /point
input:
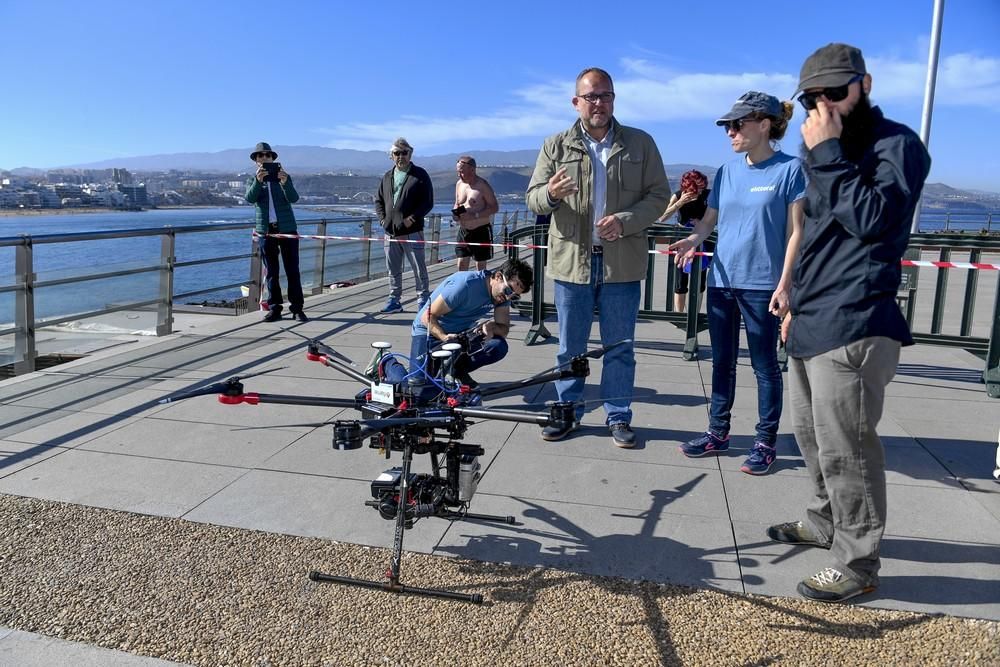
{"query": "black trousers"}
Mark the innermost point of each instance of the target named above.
(288, 249)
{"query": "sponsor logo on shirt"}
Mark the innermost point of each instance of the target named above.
(764, 188)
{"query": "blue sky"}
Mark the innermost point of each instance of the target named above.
(87, 81)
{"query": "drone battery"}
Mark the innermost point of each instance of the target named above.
(388, 482)
(371, 410)
(468, 477)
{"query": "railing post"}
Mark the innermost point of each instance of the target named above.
(647, 302)
(24, 309)
(690, 351)
(256, 288)
(435, 237)
(367, 252)
(991, 376)
(320, 270)
(937, 315)
(165, 308)
(947, 221)
(969, 304)
(538, 329)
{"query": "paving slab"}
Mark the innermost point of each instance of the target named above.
(27, 649)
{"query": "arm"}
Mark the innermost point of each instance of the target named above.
(538, 197)
(672, 208)
(424, 196)
(655, 191)
(793, 233)
(866, 207)
(291, 195)
(685, 248)
(380, 201)
(253, 190)
(438, 309)
(500, 324)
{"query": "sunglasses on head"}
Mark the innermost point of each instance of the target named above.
(833, 94)
(737, 125)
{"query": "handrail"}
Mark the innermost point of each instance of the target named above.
(694, 322)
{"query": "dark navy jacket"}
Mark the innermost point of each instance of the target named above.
(857, 226)
(416, 199)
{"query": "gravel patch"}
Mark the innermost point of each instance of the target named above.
(211, 595)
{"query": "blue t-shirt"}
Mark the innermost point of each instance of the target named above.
(467, 293)
(752, 201)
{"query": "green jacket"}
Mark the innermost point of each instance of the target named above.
(638, 192)
(284, 196)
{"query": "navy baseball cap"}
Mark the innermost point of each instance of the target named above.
(753, 102)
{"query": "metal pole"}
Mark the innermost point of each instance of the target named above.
(932, 65)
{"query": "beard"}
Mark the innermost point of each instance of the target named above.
(856, 135)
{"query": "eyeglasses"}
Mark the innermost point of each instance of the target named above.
(594, 98)
(737, 125)
(508, 291)
(399, 153)
(834, 94)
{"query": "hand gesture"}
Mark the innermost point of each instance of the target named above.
(561, 185)
(687, 197)
(610, 228)
(822, 123)
(408, 221)
(685, 252)
(261, 174)
(785, 323)
(282, 176)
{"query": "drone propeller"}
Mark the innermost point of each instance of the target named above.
(329, 351)
(233, 384)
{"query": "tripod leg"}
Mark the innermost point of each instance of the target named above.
(397, 540)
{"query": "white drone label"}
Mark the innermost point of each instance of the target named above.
(382, 393)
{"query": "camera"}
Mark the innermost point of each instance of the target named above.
(272, 169)
(458, 210)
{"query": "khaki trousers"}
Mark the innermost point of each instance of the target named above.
(836, 401)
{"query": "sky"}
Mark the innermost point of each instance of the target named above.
(88, 81)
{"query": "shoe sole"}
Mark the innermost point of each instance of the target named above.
(707, 452)
(755, 472)
(797, 543)
(623, 445)
(821, 596)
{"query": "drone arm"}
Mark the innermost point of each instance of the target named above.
(324, 354)
(253, 398)
(579, 368)
(504, 415)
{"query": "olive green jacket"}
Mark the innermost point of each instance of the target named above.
(284, 196)
(638, 192)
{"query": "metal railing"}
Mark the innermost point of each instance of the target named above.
(926, 310)
(322, 261)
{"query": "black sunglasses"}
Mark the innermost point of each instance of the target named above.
(834, 94)
(399, 153)
(737, 125)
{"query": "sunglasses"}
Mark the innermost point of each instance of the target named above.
(399, 153)
(508, 291)
(833, 94)
(737, 125)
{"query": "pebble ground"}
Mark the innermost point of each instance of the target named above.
(210, 595)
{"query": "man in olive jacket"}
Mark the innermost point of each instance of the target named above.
(603, 184)
(403, 199)
(272, 194)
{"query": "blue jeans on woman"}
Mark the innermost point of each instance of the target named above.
(725, 308)
(619, 308)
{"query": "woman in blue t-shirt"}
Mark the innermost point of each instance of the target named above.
(756, 204)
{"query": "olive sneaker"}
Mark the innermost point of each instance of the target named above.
(832, 585)
(796, 533)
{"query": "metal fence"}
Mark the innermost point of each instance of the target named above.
(322, 262)
(942, 315)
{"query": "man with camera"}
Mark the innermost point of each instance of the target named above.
(272, 194)
(475, 204)
(403, 199)
(457, 303)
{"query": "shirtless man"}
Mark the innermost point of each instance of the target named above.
(475, 199)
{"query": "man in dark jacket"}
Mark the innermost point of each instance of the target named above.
(272, 194)
(404, 198)
(844, 330)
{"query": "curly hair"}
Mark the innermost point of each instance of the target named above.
(693, 181)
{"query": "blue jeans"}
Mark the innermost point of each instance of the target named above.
(725, 306)
(619, 308)
(491, 352)
(288, 249)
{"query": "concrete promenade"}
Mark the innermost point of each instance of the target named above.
(92, 433)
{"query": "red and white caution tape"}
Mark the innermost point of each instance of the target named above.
(976, 266)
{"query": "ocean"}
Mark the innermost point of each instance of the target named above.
(344, 260)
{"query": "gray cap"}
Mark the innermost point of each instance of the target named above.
(753, 102)
(833, 65)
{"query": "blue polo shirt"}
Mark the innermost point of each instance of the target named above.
(752, 200)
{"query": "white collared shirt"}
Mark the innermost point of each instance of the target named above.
(599, 152)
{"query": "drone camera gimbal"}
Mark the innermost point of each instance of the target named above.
(429, 416)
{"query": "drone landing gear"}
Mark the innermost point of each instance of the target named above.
(392, 583)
